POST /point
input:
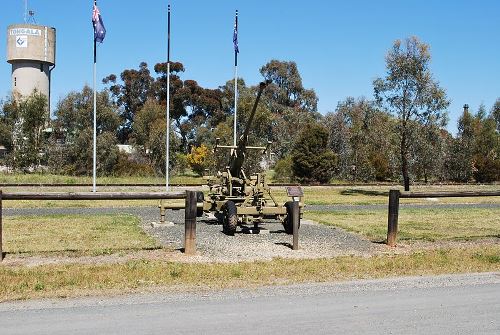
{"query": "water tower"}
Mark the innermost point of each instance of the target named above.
(31, 49)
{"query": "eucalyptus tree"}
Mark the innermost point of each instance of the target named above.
(292, 106)
(130, 95)
(22, 124)
(362, 137)
(410, 92)
(486, 147)
(71, 148)
(495, 114)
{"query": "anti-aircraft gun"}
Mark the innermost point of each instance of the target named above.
(240, 199)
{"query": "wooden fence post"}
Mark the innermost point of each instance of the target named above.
(295, 224)
(392, 223)
(1, 230)
(190, 224)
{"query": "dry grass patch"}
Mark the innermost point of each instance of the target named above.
(78, 279)
(90, 234)
(417, 224)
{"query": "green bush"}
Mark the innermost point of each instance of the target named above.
(129, 165)
(182, 164)
(312, 160)
(486, 169)
(283, 172)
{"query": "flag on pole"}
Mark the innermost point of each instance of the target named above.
(235, 34)
(99, 30)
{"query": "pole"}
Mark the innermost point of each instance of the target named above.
(190, 223)
(167, 139)
(235, 75)
(295, 224)
(95, 121)
(1, 228)
(25, 11)
(392, 222)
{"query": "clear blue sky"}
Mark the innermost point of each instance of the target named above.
(339, 46)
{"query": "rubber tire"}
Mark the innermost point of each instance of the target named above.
(287, 222)
(230, 218)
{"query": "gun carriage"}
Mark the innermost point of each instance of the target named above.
(237, 198)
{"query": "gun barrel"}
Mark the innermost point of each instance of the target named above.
(238, 155)
(244, 137)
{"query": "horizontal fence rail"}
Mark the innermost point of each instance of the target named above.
(465, 194)
(87, 196)
(92, 195)
(202, 184)
(100, 185)
(2, 185)
(395, 195)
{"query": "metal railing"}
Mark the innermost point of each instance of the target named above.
(395, 195)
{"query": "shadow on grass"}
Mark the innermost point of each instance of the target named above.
(364, 192)
(79, 252)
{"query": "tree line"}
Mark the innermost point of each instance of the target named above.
(398, 135)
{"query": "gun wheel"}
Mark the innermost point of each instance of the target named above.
(230, 219)
(288, 221)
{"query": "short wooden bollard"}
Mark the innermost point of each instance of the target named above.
(1, 226)
(295, 223)
(190, 224)
(392, 222)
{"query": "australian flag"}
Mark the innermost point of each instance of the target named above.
(99, 30)
(235, 36)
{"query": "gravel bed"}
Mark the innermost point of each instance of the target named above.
(315, 241)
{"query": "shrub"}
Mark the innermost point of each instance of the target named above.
(486, 169)
(198, 159)
(131, 165)
(182, 164)
(312, 161)
(283, 172)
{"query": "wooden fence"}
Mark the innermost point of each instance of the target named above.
(190, 217)
(395, 195)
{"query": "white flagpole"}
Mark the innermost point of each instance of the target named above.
(96, 19)
(235, 79)
(235, 101)
(95, 122)
(167, 140)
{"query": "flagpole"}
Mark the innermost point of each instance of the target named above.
(235, 79)
(95, 118)
(167, 140)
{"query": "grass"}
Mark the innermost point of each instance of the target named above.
(83, 279)
(93, 235)
(417, 224)
(80, 203)
(75, 234)
(46, 178)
